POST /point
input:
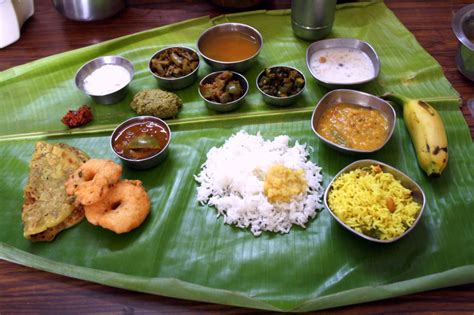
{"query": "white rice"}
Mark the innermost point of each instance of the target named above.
(232, 180)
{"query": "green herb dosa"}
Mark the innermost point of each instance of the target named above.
(47, 209)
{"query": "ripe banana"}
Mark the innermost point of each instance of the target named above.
(427, 133)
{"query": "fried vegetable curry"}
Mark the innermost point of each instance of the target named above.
(281, 81)
(353, 126)
(174, 62)
(223, 89)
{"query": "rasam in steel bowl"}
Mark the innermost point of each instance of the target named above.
(105, 88)
(230, 46)
(416, 192)
(358, 98)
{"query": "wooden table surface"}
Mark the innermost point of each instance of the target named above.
(25, 290)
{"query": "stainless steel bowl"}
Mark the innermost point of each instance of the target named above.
(88, 10)
(150, 161)
(226, 107)
(357, 98)
(343, 43)
(94, 64)
(226, 28)
(417, 194)
(280, 101)
(463, 28)
(175, 83)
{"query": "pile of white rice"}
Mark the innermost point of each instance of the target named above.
(232, 180)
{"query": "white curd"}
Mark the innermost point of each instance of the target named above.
(106, 79)
(341, 65)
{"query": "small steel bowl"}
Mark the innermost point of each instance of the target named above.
(175, 83)
(280, 101)
(343, 43)
(94, 64)
(417, 194)
(147, 162)
(357, 98)
(226, 28)
(227, 107)
(463, 28)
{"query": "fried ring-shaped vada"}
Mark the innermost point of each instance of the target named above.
(90, 182)
(122, 209)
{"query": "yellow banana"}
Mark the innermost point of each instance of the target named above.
(427, 133)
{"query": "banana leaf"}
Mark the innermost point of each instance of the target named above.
(183, 250)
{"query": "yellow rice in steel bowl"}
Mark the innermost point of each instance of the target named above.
(373, 203)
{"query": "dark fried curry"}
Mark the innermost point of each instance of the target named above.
(224, 89)
(47, 209)
(174, 62)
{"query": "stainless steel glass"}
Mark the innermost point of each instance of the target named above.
(312, 19)
(463, 28)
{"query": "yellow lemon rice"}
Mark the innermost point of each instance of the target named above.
(373, 202)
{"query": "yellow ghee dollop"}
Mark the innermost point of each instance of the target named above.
(282, 184)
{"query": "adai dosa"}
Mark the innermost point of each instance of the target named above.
(47, 209)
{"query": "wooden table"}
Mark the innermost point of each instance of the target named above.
(47, 33)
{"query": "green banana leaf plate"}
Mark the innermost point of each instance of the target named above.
(183, 250)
